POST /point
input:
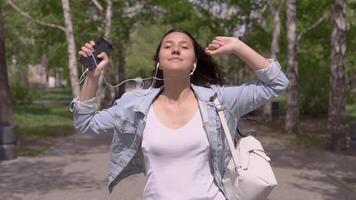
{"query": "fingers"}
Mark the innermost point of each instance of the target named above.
(82, 53)
(87, 49)
(89, 46)
(212, 52)
(221, 38)
(218, 42)
(213, 46)
(103, 55)
(104, 62)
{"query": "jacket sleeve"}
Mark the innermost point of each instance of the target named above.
(88, 120)
(253, 94)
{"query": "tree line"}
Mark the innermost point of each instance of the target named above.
(308, 37)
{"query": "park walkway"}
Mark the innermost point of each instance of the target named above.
(76, 169)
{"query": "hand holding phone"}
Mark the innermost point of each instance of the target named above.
(86, 57)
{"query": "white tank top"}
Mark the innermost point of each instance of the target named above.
(177, 161)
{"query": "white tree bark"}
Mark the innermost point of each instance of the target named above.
(102, 89)
(73, 70)
(68, 30)
(292, 116)
(339, 136)
(267, 108)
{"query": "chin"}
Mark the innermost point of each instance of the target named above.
(175, 67)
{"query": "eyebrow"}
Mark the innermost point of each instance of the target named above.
(170, 41)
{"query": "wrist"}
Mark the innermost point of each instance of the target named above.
(94, 74)
(237, 47)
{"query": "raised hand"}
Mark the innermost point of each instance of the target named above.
(222, 46)
(86, 51)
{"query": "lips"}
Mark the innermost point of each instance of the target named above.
(176, 59)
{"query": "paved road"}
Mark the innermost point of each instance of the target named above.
(76, 169)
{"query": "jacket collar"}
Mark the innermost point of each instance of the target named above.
(203, 94)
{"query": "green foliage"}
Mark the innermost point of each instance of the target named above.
(139, 33)
(24, 95)
(139, 59)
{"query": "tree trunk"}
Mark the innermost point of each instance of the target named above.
(5, 102)
(103, 90)
(267, 108)
(7, 133)
(339, 137)
(73, 70)
(121, 72)
(292, 116)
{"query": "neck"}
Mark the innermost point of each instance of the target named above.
(176, 91)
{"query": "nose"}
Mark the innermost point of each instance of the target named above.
(175, 50)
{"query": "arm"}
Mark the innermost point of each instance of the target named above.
(86, 118)
(253, 94)
(247, 97)
(232, 45)
(90, 85)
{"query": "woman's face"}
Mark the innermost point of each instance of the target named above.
(176, 55)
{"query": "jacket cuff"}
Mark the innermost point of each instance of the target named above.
(83, 107)
(270, 72)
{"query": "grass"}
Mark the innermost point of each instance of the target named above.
(351, 112)
(313, 133)
(39, 126)
(57, 94)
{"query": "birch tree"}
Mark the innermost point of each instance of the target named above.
(68, 30)
(275, 11)
(293, 37)
(72, 57)
(339, 137)
(292, 117)
(104, 93)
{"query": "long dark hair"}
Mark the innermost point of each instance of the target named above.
(206, 72)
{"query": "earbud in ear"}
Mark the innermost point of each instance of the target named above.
(194, 67)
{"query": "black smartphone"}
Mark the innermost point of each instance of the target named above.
(101, 45)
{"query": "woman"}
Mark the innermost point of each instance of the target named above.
(172, 132)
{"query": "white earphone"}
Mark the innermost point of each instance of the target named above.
(194, 67)
(191, 73)
(138, 80)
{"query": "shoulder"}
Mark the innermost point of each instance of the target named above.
(134, 97)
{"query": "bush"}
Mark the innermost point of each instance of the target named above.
(23, 95)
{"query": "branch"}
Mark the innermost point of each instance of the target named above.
(23, 13)
(271, 6)
(319, 21)
(97, 5)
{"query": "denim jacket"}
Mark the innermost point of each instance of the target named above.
(126, 119)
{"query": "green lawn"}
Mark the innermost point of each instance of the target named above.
(39, 125)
